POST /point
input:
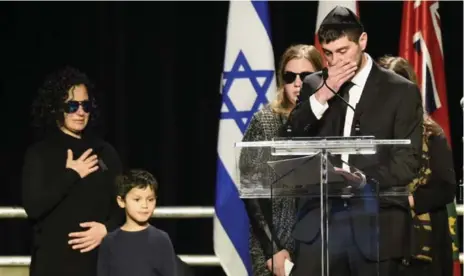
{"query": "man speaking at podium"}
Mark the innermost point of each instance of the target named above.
(370, 102)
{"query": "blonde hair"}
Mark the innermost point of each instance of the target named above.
(282, 104)
(400, 66)
(403, 68)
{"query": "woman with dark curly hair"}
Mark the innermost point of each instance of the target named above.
(68, 179)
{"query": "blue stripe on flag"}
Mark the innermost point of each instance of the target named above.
(232, 214)
(262, 10)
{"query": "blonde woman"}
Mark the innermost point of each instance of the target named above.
(271, 221)
(431, 191)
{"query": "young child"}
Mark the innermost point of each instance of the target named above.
(137, 248)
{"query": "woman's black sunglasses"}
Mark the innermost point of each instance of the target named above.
(289, 77)
(73, 106)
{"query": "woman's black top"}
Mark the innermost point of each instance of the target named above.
(57, 200)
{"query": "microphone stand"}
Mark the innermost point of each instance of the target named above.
(325, 76)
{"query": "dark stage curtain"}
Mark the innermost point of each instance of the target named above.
(157, 67)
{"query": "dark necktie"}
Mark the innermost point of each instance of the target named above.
(344, 93)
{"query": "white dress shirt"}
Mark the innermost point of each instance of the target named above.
(359, 80)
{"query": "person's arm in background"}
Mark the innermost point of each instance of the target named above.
(253, 169)
(441, 186)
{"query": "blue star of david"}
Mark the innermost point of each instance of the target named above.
(242, 118)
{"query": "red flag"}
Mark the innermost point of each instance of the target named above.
(324, 7)
(422, 46)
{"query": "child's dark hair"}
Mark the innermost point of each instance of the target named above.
(135, 179)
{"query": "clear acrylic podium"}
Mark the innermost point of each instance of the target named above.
(304, 174)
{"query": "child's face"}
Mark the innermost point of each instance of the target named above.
(139, 204)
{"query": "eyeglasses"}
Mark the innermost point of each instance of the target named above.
(289, 77)
(73, 106)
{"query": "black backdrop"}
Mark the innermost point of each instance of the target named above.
(157, 66)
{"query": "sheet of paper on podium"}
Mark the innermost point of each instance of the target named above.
(303, 171)
(288, 266)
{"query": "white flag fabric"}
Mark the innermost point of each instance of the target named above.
(248, 84)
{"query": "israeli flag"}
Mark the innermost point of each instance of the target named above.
(248, 84)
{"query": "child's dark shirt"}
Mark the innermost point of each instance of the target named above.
(143, 253)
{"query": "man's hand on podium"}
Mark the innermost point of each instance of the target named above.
(278, 260)
(356, 178)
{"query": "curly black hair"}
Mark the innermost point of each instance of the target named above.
(47, 108)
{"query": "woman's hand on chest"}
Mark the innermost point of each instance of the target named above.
(84, 165)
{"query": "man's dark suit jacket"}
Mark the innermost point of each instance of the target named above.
(390, 107)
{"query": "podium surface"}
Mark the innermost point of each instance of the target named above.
(325, 192)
